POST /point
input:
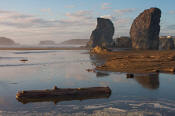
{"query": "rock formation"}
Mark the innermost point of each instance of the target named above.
(75, 42)
(47, 42)
(6, 41)
(166, 43)
(123, 42)
(99, 50)
(145, 29)
(173, 40)
(102, 36)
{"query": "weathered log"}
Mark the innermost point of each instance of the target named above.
(58, 94)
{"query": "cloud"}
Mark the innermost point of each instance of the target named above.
(69, 6)
(25, 28)
(48, 10)
(172, 12)
(18, 20)
(124, 11)
(171, 27)
(105, 6)
(108, 17)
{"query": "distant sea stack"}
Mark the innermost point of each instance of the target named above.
(75, 42)
(47, 42)
(145, 29)
(166, 43)
(6, 41)
(102, 36)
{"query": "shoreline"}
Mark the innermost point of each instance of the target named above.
(139, 62)
(43, 48)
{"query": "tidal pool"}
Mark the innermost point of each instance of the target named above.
(143, 95)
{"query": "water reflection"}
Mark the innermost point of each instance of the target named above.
(68, 69)
(101, 74)
(149, 81)
(58, 99)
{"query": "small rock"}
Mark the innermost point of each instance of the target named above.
(130, 75)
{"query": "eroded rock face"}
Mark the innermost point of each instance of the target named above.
(166, 43)
(6, 41)
(98, 50)
(145, 29)
(173, 38)
(102, 36)
(123, 42)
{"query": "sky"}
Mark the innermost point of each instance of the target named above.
(31, 21)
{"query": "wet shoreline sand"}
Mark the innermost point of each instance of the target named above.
(139, 61)
(43, 48)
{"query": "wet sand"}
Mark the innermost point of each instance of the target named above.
(133, 61)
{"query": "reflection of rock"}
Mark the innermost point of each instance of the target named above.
(150, 81)
(166, 43)
(97, 60)
(90, 70)
(123, 42)
(101, 74)
(145, 29)
(103, 34)
(99, 50)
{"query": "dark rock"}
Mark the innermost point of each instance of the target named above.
(173, 40)
(166, 43)
(145, 29)
(102, 36)
(6, 41)
(129, 75)
(123, 42)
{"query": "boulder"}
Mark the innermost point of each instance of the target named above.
(123, 42)
(166, 43)
(102, 36)
(145, 29)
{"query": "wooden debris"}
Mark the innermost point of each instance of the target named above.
(58, 94)
(24, 60)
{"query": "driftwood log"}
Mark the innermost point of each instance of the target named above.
(58, 94)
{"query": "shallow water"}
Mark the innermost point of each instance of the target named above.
(67, 69)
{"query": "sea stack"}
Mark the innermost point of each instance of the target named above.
(123, 42)
(145, 30)
(102, 36)
(166, 43)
